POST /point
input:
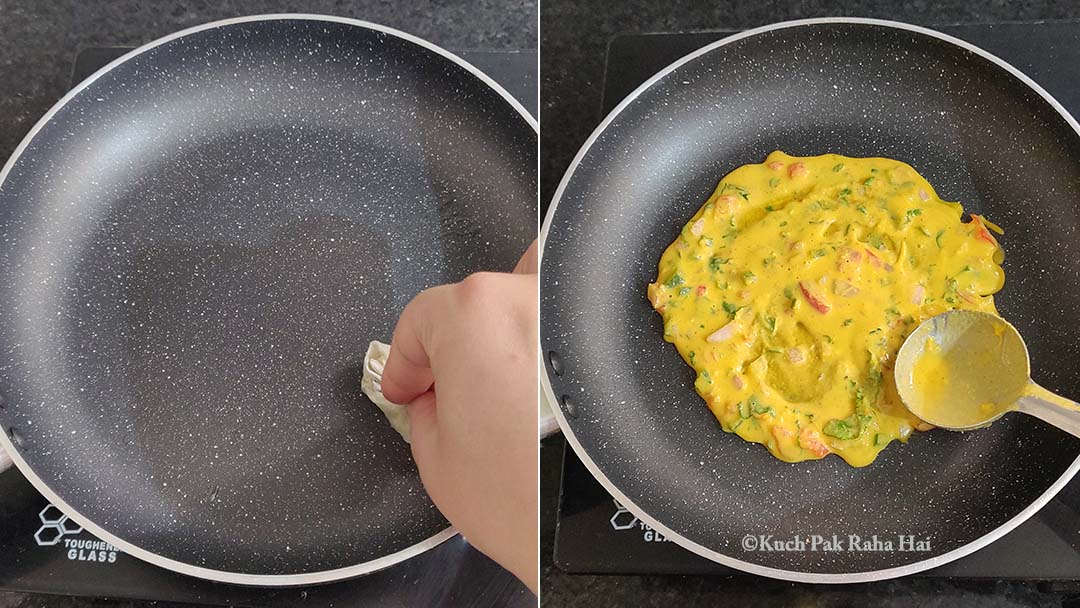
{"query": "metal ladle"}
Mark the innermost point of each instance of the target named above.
(964, 369)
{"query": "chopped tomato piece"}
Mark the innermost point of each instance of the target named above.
(876, 261)
(814, 299)
(700, 290)
(811, 440)
(981, 232)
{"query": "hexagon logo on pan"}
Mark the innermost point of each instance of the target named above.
(623, 519)
(57, 530)
(54, 525)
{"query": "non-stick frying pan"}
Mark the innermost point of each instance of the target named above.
(978, 129)
(196, 246)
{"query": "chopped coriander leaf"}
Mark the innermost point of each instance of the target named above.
(818, 253)
(847, 428)
(757, 406)
(910, 214)
(749, 277)
(868, 181)
(950, 291)
(875, 241)
(769, 323)
(861, 209)
(845, 192)
(675, 280)
(838, 168)
(730, 308)
(716, 262)
(874, 377)
(769, 208)
(743, 192)
(847, 322)
(774, 182)
(684, 291)
(744, 409)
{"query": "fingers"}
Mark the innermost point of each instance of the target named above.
(528, 262)
(407, 374)
(408, 370)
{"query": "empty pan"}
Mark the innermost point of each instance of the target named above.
(978, 129)
(197, 244)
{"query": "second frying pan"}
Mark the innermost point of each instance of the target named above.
(979, 130)
(196, 246)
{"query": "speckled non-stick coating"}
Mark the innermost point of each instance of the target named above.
(194, 254)
(978, 134)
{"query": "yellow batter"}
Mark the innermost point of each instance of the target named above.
(792, 288)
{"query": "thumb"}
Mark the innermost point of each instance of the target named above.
(407, 373)
(423, 429)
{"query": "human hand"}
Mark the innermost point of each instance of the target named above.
(464, 357)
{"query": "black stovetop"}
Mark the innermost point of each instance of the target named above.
(595, 535)
(42, 552)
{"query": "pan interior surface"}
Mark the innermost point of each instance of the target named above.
(196, 250)
(979, 134)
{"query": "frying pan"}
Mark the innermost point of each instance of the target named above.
(979, 130)
(197, 244)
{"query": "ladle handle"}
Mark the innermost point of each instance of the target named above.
(1050, 407)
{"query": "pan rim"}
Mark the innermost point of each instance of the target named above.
(224, 576)
(715, 556)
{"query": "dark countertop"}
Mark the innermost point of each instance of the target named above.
(40, 39)
(574, 37)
